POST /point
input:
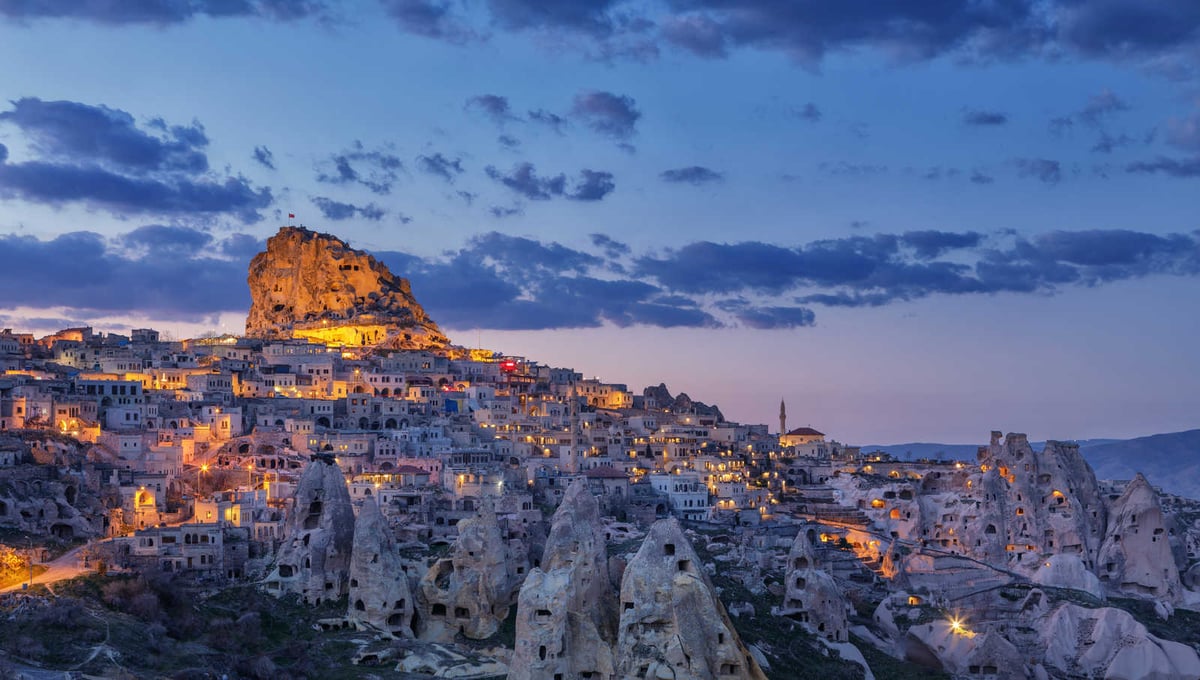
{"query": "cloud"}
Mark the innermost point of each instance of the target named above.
(66, 130)
(508, 141)
(160, 271)
(693, 174)
(501, 281)
(431, 19)
(377, 170)
(929, 244)
(1189, 167)
(609, 114)
(337, 211)
(808, 112)
(161, 12)
(1100, 107)
(439, 165)
(978, 117)
(493, 106)
(551, 120)
(847, 169)
(979, 177)
(1184, 132)
(1042, 169)
(1106, 143)
(264, 157)
(523, 178)
(101, 157)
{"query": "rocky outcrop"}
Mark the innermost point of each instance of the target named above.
(313, 285)
(314, 559)
(566, 611)
(813, 597)
(379, 594)
(470, 591)
(1110, 643)
(1136, 556)
(1068, 571)
(672, 624)
(967, 654)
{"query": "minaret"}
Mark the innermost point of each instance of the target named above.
(782, 418)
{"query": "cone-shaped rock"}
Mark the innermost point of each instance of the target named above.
(313, 285)
(672, 624)
(566, 615)
(379, 594)
(812, 596)
(470, 591)
(1136, 555)
(314, 558)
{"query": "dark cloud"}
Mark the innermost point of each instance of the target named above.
(1126, 28)
(523, 178)
(609, 114)
(1189, 167)
(984, 118)
(493, 106)
(551, 120)
(500, 211)
(586, 16)
(102, 157)
(1100, 107)
(57, 184)
(157, 271)
(439, 165)
(508, 141)
(978, 177)
(264, 157)
(808, 112)
(80, 133)
(693, 174)
(507, 282)
(929, 244)
(157, 239)
(612, 248)
(377, 170)
(1107, 142)
(337, 211)
(429, 18)
(161, 12)
(1042, 169)
(844, 168)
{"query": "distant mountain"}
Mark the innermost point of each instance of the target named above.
(1169, 461)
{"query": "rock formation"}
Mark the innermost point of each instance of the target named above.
(313, 285)
(379, 594)
(672, 624)
(566, 611)
(1136, 556)
(1068, 571)
(812, 596)
(470, 591)
(1110, 643)
(314, 559)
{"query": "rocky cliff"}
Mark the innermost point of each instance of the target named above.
(379, 594)
(312, 285)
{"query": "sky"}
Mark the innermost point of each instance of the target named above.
(912, 220)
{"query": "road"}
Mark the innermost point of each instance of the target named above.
(65, 567)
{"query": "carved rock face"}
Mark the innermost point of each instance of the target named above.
(812, 596)
(672, 624)
(1136, 556)
(314, 558)
(470, 591)
(566, 615)
(307, 284)
(379, 593)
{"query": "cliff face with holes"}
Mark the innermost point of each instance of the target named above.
(312, 285)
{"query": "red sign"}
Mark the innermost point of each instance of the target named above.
(508, 366)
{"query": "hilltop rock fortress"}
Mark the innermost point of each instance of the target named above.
(312, 285)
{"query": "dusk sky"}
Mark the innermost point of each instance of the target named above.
(914, 221)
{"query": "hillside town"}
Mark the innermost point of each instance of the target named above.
(343, 452)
